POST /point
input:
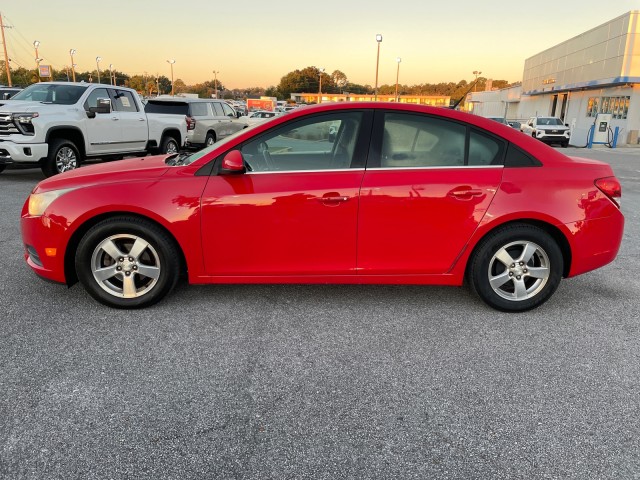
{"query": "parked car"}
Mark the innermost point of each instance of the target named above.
(58, 125)
(498, 119)
(548, 129)
(7, 92)
(260, 116)
(208, 120)
(402, 194)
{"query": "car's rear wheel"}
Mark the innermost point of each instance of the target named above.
(210, 140)
(516, 268)
(169, 145)
(63, 156)
(127, 262)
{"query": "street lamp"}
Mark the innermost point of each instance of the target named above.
(215, 82)
(398, 59)
(72, 52)
(98, 65)
(171, 62)
(379, 40)
(111, 77)
(321, 70)
(476, 73)
(36, 44)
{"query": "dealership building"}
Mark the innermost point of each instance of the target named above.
(588, 79)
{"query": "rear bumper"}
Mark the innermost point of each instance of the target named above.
(595, 242)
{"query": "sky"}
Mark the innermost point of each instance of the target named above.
(256, 42)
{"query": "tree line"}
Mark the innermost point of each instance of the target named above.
(306, 80)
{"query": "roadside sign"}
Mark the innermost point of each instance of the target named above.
(44, 70)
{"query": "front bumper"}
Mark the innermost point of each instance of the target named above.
(44, 244)
(17, 153)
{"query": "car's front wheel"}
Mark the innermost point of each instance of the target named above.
(127, 262)
(2, 167)
(63, 156)
(516, 268)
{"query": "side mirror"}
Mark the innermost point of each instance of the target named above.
(233, 162)
(238, 114)
(104, 106)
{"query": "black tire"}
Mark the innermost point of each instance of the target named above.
(503, 275)
(565, 144)
(210, 140)
(63, 156)
(2, 167)
(107, 276)
(169, 145)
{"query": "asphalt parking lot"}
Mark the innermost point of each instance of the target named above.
(321, 382)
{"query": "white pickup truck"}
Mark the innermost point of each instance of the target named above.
(57, 125)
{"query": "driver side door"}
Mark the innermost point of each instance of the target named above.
(294, 213)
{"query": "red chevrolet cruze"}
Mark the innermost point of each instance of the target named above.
(340, 193)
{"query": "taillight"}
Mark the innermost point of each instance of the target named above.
(191, 123)
(611, 187)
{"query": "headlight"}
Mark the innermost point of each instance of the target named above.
(38, 202)
(25, 117)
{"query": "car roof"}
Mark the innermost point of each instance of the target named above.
(184, 99)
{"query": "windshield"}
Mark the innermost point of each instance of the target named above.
(48, 93)
(549, 121)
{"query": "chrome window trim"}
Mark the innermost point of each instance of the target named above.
(309, 171)
(437, 168)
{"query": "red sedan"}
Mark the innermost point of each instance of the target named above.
(365, 193)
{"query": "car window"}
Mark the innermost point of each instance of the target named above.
(411, 140)
(124, 102)
(228, 111)
(167, 108)
(217, 109)
(323, 142)
(92, 99)
(485, 150)
(199, 109)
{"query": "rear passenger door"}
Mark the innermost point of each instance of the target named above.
(428, 183)
(133, 121)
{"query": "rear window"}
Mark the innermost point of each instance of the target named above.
(167, 108)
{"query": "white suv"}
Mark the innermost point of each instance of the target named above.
(208, 120)
(547, 129)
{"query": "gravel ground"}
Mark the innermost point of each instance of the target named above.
(322, 382)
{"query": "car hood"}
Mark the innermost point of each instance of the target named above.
(19, 106)
(130, 170)
(546, 128)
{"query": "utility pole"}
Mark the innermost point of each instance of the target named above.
(6, 57)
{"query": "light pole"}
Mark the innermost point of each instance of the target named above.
(398, 59)
(72, 52)
(321, 70)
(476, 73)
(36, 44)
(98, 65)
(379, 40)
(111, 77)
(171, 62)
(215, 82)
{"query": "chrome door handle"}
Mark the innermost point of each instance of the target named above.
(466, 193)
(334, 199)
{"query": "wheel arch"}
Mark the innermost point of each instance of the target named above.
(173, 133)
(72, 245)
(73, 134)
(558, 236)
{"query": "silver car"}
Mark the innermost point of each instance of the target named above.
(208, 120)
